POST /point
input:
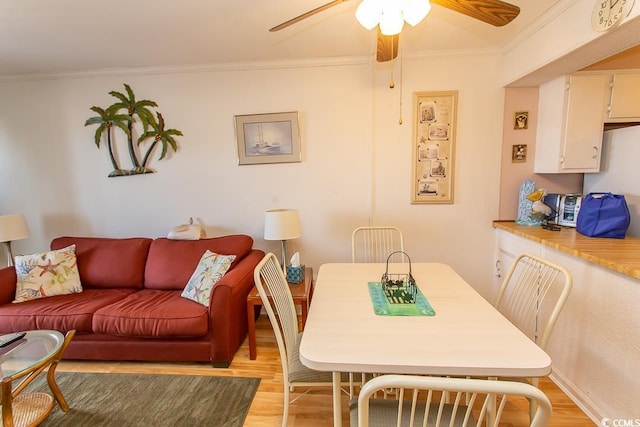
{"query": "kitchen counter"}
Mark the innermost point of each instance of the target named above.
(621, 255)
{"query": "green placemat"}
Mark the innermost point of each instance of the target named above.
(382, 307)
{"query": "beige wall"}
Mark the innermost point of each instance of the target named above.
(356, 166)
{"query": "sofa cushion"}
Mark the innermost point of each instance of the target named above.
(62, 312)
(108, 263)
(172, 262)
(152, 313)
(47, 274)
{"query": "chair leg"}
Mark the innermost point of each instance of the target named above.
(285, 409)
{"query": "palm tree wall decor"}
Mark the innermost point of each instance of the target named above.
(135, 111)
(159, 134)
(107, 119)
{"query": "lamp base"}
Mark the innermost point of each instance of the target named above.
(7, 247)
(284, 256)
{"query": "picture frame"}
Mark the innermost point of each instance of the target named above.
(268, 138)
(434, 136)
(519, 153)
(520, 120)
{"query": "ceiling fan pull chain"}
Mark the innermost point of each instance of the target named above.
(391, 83)
(400, 55)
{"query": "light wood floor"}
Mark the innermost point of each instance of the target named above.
(311, 410)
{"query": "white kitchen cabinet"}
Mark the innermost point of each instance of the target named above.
(571, 113)
(624, 104)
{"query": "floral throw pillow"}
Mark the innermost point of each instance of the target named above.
(47, 274)
(209, 271)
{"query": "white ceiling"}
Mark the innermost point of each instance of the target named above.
(62, 36)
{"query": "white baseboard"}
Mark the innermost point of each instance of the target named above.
(583, 401)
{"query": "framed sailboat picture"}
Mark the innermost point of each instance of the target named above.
(268, 138)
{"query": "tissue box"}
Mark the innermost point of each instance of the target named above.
(295, 274)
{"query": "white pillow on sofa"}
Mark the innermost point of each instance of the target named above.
(47, 274)
(209, 271)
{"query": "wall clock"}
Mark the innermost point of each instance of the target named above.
(607, 14)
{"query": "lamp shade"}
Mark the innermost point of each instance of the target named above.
(282, 224)
(13, 227)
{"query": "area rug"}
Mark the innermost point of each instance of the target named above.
(139, 400)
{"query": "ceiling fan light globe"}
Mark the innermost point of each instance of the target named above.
(415, 11)
(391, 21)
(391, 25)
(368, 13)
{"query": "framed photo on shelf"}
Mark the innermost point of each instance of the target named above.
(434, 146)
(268, 138)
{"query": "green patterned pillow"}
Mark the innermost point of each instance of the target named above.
(47, 274)
(209, 271)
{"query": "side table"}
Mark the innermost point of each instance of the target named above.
(301, 293)
(20, 363)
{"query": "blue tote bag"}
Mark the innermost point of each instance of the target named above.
(603, 215)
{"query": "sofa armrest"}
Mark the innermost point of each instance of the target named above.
(228, 308)
(8, 281)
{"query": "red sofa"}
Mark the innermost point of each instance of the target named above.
(130, 307)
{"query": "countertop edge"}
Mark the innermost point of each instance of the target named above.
(572, 243)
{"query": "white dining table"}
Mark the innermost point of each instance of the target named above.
(467, 336)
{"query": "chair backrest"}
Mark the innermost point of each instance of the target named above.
(376, 243)
(439, 400)
(278, 303)
(533, 294)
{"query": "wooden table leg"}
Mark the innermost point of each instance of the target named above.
(53, 385)
(251, 326)
(7, 414)
(51, 374)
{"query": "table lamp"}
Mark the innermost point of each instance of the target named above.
(12, 227)
(282, 224)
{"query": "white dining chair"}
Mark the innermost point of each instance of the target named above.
(278, 303)
(443, 401)
(532, 295)
(376, 243)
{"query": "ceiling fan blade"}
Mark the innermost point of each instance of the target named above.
(387, 47)
(494, 12)
(306, 15)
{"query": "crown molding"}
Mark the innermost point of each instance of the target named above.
(195, 68)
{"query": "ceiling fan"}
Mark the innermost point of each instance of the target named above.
(493, 12)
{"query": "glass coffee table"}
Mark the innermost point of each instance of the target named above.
(20, 363)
